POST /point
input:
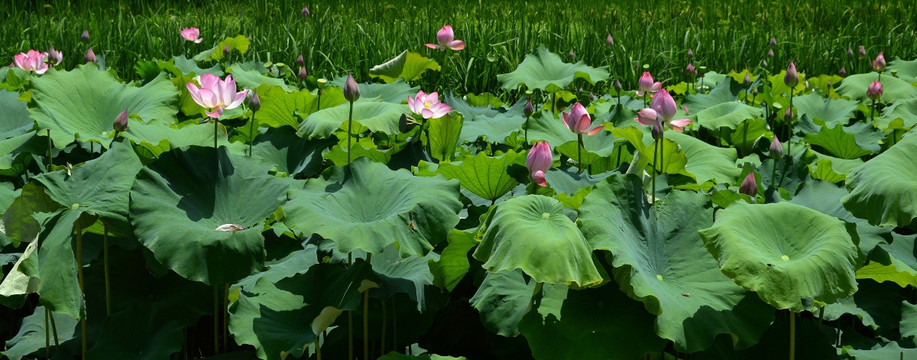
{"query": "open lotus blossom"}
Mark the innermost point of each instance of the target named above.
(646, 84)
(662, 107)
(428, 105)
(55, 56)
(538, 161)
(446, 39)
(879, 63)
(578, 120)
(875, 90)
(191, 34)
(215, 95)
(33, 60)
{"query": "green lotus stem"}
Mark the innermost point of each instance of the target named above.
(349, 125)
(318, 102)
(774, 173)
(53, 328)
(821, 315)
(662, 154)
(579, 151)
(225, 317)
(251, 135)
(394, 325)
(92, 148)
(50, 160)
(318, 349)
(525, 132)
(427, 132)
(47, 335)
(216, 124)
(872, 114)
(79, 273)
(384, 313)
(554, 103)
(789, 138)
(653, 194)
(792, 335)
(618, 161)
(745, 139)
(369, 258)
(105, 261)
(349, 315)
(216, 321)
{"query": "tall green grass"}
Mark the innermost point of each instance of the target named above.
(353, 35)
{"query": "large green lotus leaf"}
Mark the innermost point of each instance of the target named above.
(453, 263)
(854, 87)
(403, 275)
(779, 87)
(378, 116)
(494, 125)
(881, 352)
(597, 148)
(83, 103)
(908, 324)
(812, 342)
(727, 114)
(502, 299)
(189, 66)
(673, 158)
(568, 181)
(365, 147)
(158, 137)
(786, 253)
(876, 305)
(444, 136)
(100, 186)
(902, 114)
(866, 136)
(254, 78)
(55, 264)
(16, 152)
(705, 161)
(407, 65)
(396, 92)
(31, 335)
(724, 92)
(837, 142)
(826, 197)
(296, 262)
(16, 120)
(347, 206)
(187, 210)
(289, 153)
(487, 177)
(589, 327)
(16, 285)
(532, 233)
(17, 221)
(882, 190)
(660, 260)
(278, 107)
(545, 127)
(545, 70)
(893, 261)
(906, 69)
(831, 112)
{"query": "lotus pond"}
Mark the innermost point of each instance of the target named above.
(227, 208)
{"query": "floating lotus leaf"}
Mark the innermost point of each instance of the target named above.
(367, 206)
(407, 65)
(883, 190)
(787, 253)
(202, 219)
(532, 233)
(545, 70)
(378, 116)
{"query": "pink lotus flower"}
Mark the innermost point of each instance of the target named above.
(749, 185)
(55, 56)
(32, 61)
(879, 63)
(90, 57)
(578, 120)
(664, 104)
(446, 39)
(875, 90)
(538, 161)
(215, 95)
(646, 84)
(428, 105)
(663, 107)
(191, 34)
(650, 117)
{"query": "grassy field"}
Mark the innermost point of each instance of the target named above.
(354, 35)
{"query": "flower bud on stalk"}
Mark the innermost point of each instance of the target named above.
(776, 148)
(302, 74)
(843, 71)
(529, 108)
(746, 81)
(874, 91)
(254, 102)
(305, 11)
(609, 41)
(879, 63)
(749, 185)
(862, 53)
(690, 69)
(657, 129)
(351, 90)
(617, 85)
(120, 124)
(788, 115)
(773, 42)
(690, 54)
(85, 37)
(90, 57)
(299, 61)
(791, 78)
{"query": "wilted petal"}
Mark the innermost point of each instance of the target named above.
(457, 45)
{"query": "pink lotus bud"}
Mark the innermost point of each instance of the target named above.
(300, 61)
(85, 37)
(764, 62)
(874, 91)
(850, 51)
(690, 53)
(305, 11)
(446, 39)
(646, 81)
(754, 92)
(746, 81)
(788, 115)
(773, 42)
(843, 71)
(571, 54)
(578, 120)
(529, 108)
(254, 102)
(617, 85)
(302, 74)
(749, 185)
(647, 116)
(55, 56)
(120, 124)
(351, 90)
(609, 41)
(690, 69)
(225, 50)
(539, 158)
(770, 53)
(664, 105)
(776, 148)
(90, 57)
(879, 63)
(657, 129)
(791, 78)
(862, 53)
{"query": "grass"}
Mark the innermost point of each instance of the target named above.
(353, 35)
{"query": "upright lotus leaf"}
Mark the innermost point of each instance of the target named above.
(453, 263)
(532, 233)
(813, 109)
(826, 197)
(407, 65)
(567, 180)
(254, 78)
(724, 92)
(378, 116)
(204, 220)
(876, 305)
(83, 103)
(906, 69)
(188, 66)
(289, 153)
(485, 176)
(503, 298)
(31, 335)
(444, 136)
(883, 190)
(367, 206)
(403, 275)
(16, 120)
(854, 87)
(238, 43)
(705, 161)
(17, 221)
(278, 107)
(544, 126)
(297, 262)
(881, 352)
(100, 186)
(779, 87)
(158, 137)
(788, 254)
(727, 114)
(16, 285)
(17, 151)
(54, 264)
(837, 142)
(894, 261)
(901, 114)
(908, 324)
(673, 158)
(660, 261)
(396, 92)
(596, 148)
(589, 327)
(545, 70)
(494, 125)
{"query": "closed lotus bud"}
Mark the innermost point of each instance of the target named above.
(690, 53)
(617, 85)
(879, 63)
(754, 92)
(609, 41)
(225, 50)
(773, 41)
(764, 62)
(645, 83)
(657, 129)
(792, 77)
(770, 53)
(85, 37)
(538, 161)
(299, 61)
(747, 80)
(850, 51)
(776, 148)
(90, 57)
(120, 124)
(874, 91)
(305, 11)
(529, 108)
(749, 185)
(862, 53)
(788, 115)
(351, 90)
(843, 71)
(254, 102)
(571, 54)
(302, 74)
(690, 69)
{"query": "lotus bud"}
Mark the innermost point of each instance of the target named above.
(302, 74)
(538, 161)
(764, 62)
(254, 102)
(776, 148)
(90, 57)
(617, 85)
(305, 11)
(529, 108)
(646, 81)
(120, 124)
(690, 53)
(862, 53)
(85, 37)
(773, 42)
(690, 69)
(754, 92)
(225, 50)
(850, 51)
(351, 90)
(746, 81)
(299, 61)
(843, 71)
(791, 78)
(788, 115)
(609, 41)
(749, 185)
(874, 91)
(770, 53)
(55, 56)
(879, 63)
(664, 105)
(657, 129)
(571, 54)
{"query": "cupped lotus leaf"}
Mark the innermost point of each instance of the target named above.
(494, 125)
(484, 99)
(278, 107)
(787, 253)
(485, 176)
(16, 120)
(31, 335)
(779, 87)
(533, 233)
(830, 112)
(407, 65)
(825, 197)
(189, 66)
(727, 114)
(502, 299)
(349, 206)
(396, 92)
(724, 92)
(289, 153)
(881, 352)
(705, 161)
(660, 260)
(838, 142)
(158, 138)
(83, 103)
(365, 147)
(201, 212)
(855, 86)
(378, 116)
(545, 70)
(238, 43)
(883, 190)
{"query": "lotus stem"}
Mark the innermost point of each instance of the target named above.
(394, 325)
(215, 128)
(216, 320)
(251, 136)
(225, 317)
(653, 194)
(821, 315)
(349, 316)
(792, 335)
(50, 160)
(384, 313)
(774, 174)
(429, 144)
(318, 349)
(349, 125)
(554, 103)
(107, 279)
(79, 273)
(579, 151)
(662, 154)
(525, 132)
(872, 114)
(47, 335)
(366, 316)
(789, 138)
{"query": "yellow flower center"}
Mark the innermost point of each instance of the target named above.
(427, 105)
